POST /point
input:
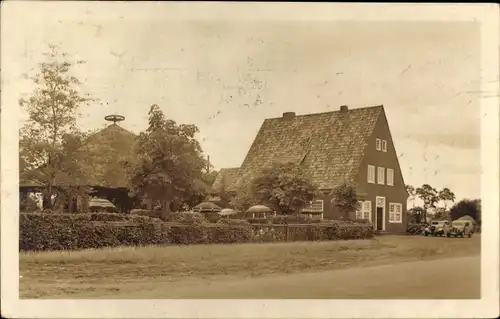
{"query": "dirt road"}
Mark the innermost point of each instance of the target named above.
(450, 278)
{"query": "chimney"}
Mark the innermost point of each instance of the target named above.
(288, 115)
(344, 108)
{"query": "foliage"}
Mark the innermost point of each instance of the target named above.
(169, 165)
(77, 231)
(231, 231)
(416, 215)
(50, 138)
(28, 205)
(187, 218)
(81, 231)
(244, 198)
(446, 196)
(429, 195)
(345, 198)
(468, 207)
(441, 214)
(284, 187)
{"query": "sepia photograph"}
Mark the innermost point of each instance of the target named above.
(172, 151)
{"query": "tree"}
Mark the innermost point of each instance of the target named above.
(50, 137)
(415, 215)
(446, 196)
(169, 164)
(468, 207)
(411, 191)
(284, 187)
(345, 198)
(429, 196)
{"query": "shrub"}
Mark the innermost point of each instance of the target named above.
(230, 231)
(79, 231)
(191, 232)
(146, 212)
(212, 217)
(187, 218)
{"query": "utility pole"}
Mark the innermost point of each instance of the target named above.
(208, 164)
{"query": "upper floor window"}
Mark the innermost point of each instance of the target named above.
(381, 176)
(395, 213)
(371, 174)
(390, 177)
(384, 146)
(378, 144)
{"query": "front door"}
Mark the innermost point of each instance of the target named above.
(380, 218)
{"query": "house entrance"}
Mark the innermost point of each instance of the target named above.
(380, 218)
(380, 213)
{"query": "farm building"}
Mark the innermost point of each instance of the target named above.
(103, 155)
(348, 145)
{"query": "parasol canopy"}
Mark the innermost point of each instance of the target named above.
(101, 203)
(259, 209)
(206, 207)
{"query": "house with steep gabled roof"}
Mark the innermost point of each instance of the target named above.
(352, 146)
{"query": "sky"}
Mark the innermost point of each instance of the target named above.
(227, 76)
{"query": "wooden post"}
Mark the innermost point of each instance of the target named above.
(287, 233)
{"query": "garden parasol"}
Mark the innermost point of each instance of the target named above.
(206, 207)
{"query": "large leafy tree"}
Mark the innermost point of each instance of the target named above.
(429, 195)
(49, 139)
(284, 187)
(169, 162)
(345, 198)
(446, 195)
(468, 207)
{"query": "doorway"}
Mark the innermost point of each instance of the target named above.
(380, 218)
(380, 213)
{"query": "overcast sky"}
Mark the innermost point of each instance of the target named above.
(228, 76)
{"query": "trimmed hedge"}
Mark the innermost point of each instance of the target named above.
(82, 231)
(79, 231)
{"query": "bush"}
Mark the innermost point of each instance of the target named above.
(231, 231)
(146, 212)
(79, 231)
(187, 218)
(193, 230)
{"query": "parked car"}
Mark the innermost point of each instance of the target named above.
(460, 228)
(437, 228)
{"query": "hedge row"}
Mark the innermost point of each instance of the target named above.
(81, 231)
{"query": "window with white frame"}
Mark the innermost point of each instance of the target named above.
(371, 174)
(384, 146)
(365, 210)
(395, 213)
(381, 175)
(390, 177)
(378, 144)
